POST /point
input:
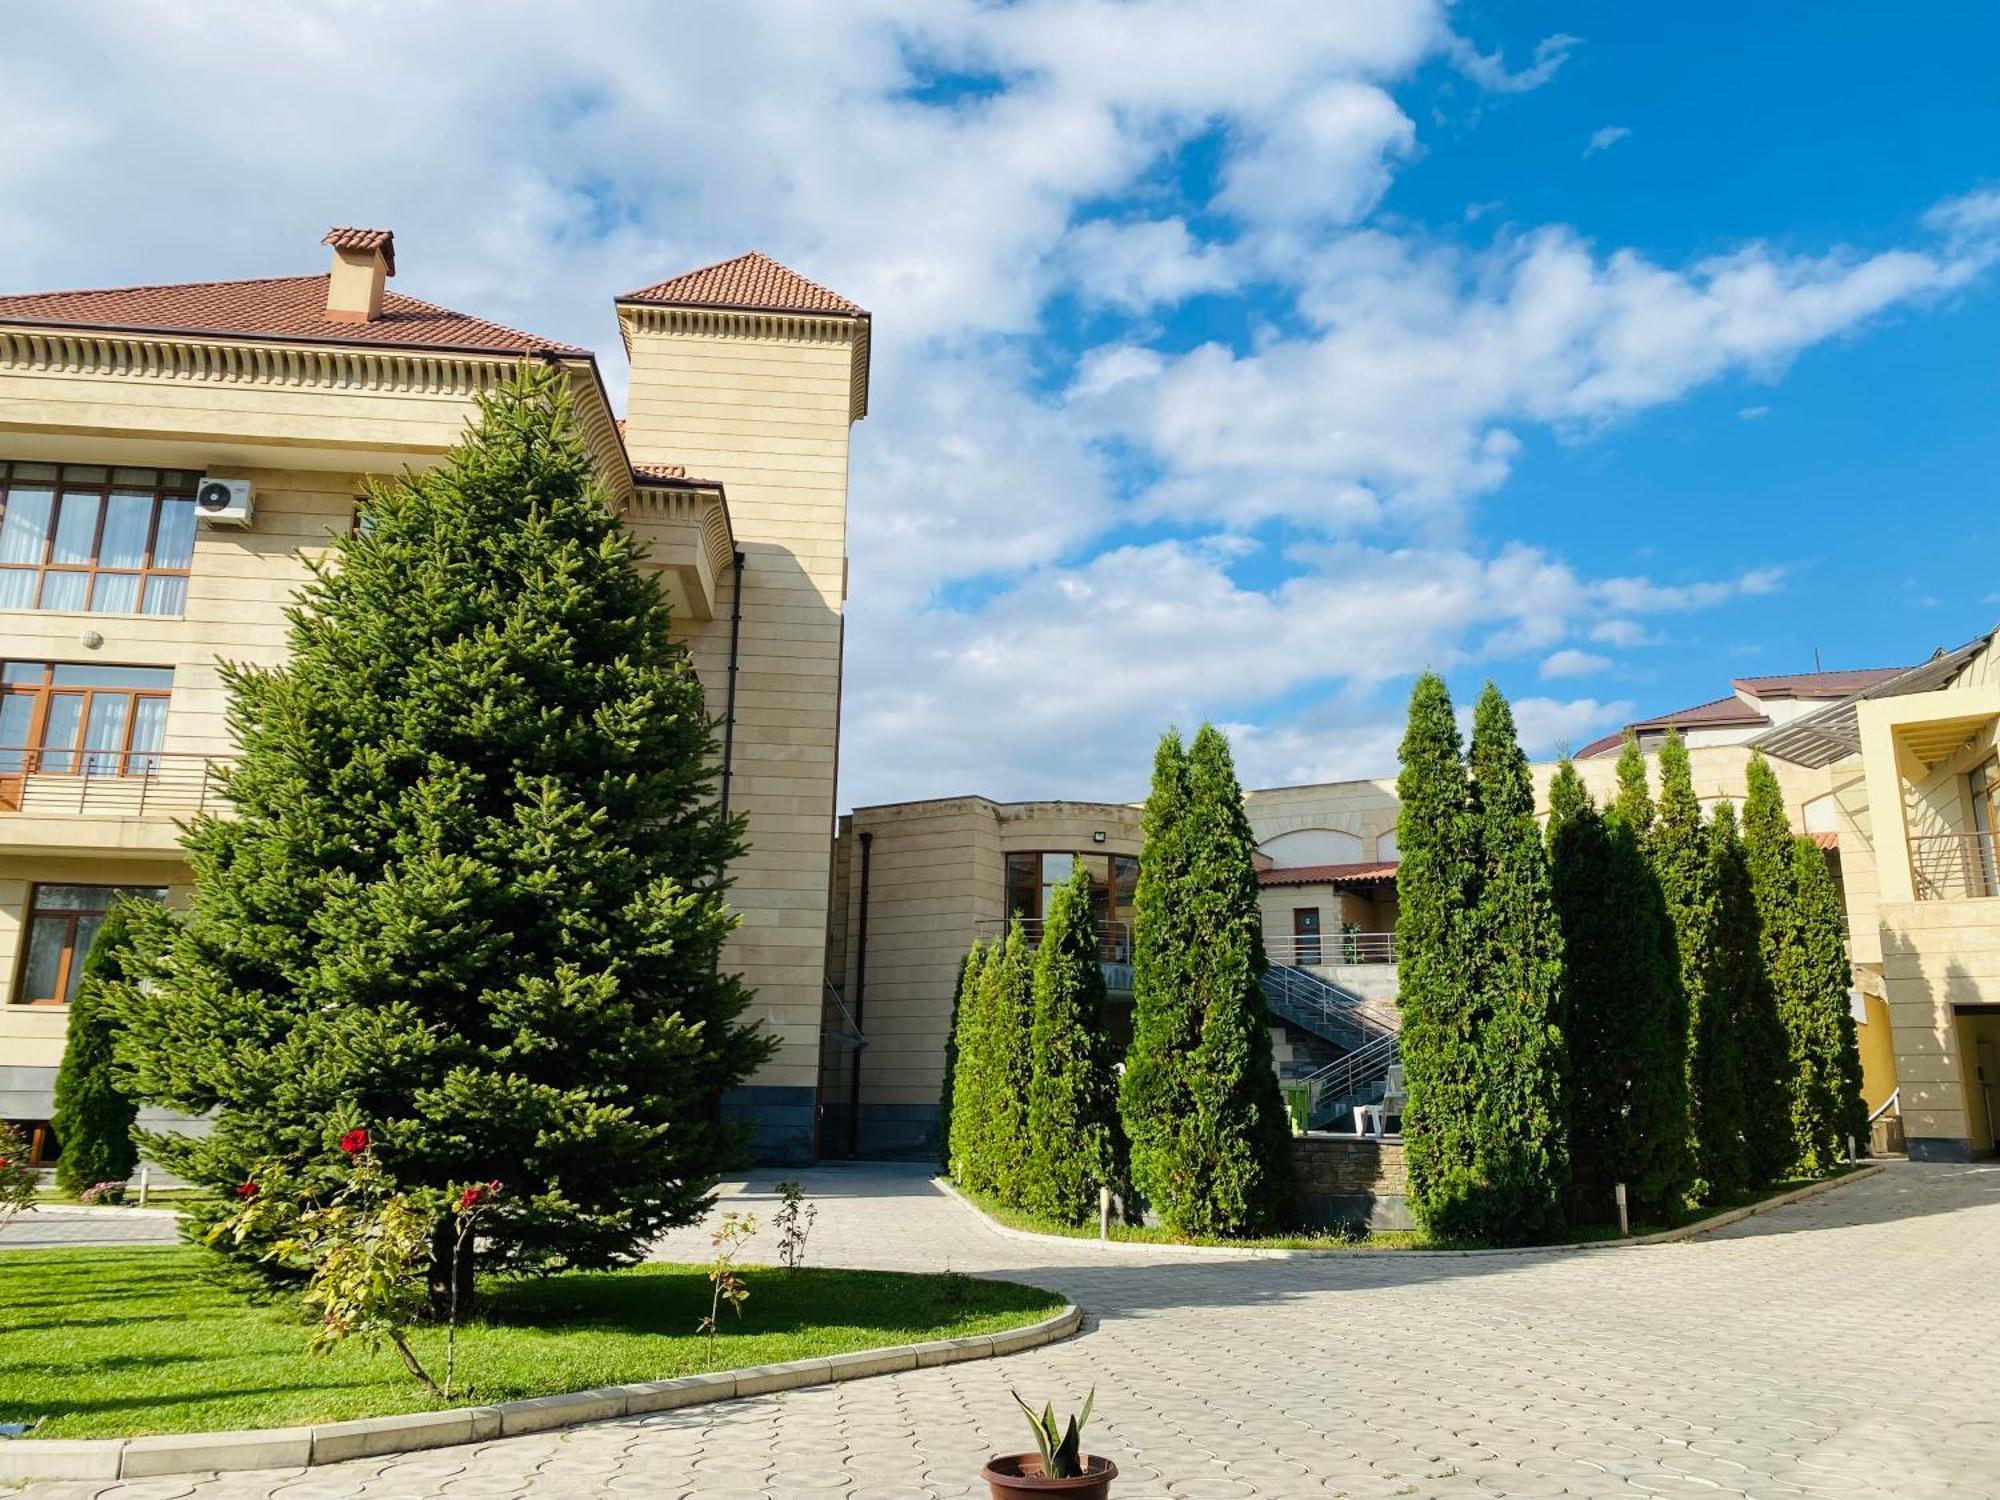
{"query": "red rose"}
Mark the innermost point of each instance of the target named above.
(471, 1197)
(354, 1141)
(246, 1190)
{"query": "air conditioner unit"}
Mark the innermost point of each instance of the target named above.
(223, 502)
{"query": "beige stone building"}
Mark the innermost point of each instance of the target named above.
(172, 458)
(917, 883)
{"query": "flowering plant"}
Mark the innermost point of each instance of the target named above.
(17, 1178)
(112, 1191)
(366, 1250)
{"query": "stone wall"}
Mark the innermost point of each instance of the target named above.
(1345, 1182)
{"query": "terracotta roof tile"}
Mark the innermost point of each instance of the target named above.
(1816, 684)
(1374, 869)
(365, 239)
(1730, 711)
(1825, 840)
(288, 308)
(752, 282)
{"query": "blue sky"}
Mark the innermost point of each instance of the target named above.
(1233, 360)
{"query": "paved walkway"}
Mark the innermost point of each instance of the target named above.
(1843, 1346)
(55, 1227)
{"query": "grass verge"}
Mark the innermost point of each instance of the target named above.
(114, 1343)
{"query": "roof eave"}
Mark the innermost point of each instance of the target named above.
(280, 340)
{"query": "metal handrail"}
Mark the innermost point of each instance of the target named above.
(850, 1032)
(1894, 1101)
(1344, 1018)
(1955, 866)
(1316, 951)
(1346, 1075)
(39, 779)
(1114, 938)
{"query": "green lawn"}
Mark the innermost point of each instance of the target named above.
(111, 1343)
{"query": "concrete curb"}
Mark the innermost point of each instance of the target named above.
(372, 1437)
(1251, 1252)
(93, 1211)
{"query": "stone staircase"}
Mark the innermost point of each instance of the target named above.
(1321, 1017)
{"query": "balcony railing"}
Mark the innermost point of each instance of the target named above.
(1955, 866)
(108, 783)
(1326, 949)
(1114, 939)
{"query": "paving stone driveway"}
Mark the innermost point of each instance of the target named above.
(1843, 1346)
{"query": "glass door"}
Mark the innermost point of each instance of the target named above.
(1305, 936)
(1984, 866)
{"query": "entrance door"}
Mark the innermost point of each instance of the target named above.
(1987, 1057)
(1305, 935)
(1984, 866)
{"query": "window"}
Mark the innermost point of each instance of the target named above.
(84, 537)
(70, 719)
(1114, 887)
(62, 919)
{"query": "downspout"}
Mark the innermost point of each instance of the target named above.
(729, 710)
(860, 1001)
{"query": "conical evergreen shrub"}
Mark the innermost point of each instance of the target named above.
(1829, 1112)
(1072, 1093)
(1437, 892)
(473, 894)
(967, 1073)
(1523, 1159)
(1007, 998)
(1590, 1010)
(1683, 864)
(93, 1118)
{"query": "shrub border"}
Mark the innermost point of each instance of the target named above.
(1262, 1252)
(372, 1437)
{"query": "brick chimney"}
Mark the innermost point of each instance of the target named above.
(362, 260)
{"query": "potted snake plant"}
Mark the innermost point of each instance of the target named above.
(1059, 1466)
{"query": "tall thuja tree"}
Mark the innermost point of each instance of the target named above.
(1072, 1092)
(1240, 1134)
(473, 896)
(1768, 843)
(1831, 1111)
(967, 1060)
(1738, 981)
(1523, 1155)
(1437, 890)
(1657, 1164)
(93, 1117)
(1000, 1152)
(1591, 1012)
(1682, 862)
(1153, 1095)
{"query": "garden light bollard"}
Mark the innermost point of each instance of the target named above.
(1103, 1211)
(1624, 1224)
(145, 1183)
(1850, 1151)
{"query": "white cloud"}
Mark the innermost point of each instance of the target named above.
(567, 154)
(1605, 138)
(1754, 413)
(1571, 662)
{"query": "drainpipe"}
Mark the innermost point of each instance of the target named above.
(860, 1001)
(729, 711)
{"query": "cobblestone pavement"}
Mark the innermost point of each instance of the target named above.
(1842, 1346)
(54, 1228)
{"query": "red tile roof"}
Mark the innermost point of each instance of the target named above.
(1815, 684)
(1825, 840)
(365, 239)
(1375, 869)
(286, 308)
(1731, 711)
(753, 283)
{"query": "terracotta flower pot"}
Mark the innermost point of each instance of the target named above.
(1021, 1474)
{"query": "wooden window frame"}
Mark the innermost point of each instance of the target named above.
(71, 959)
(183, 488)
(34, 753)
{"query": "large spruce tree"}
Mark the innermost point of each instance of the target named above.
(472, 897)
(1437, 890)
(1683, 864)
(1211, 1141)
(1523, 1156)
(1072, 1092)
(1737, 979)
(93, 1117)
